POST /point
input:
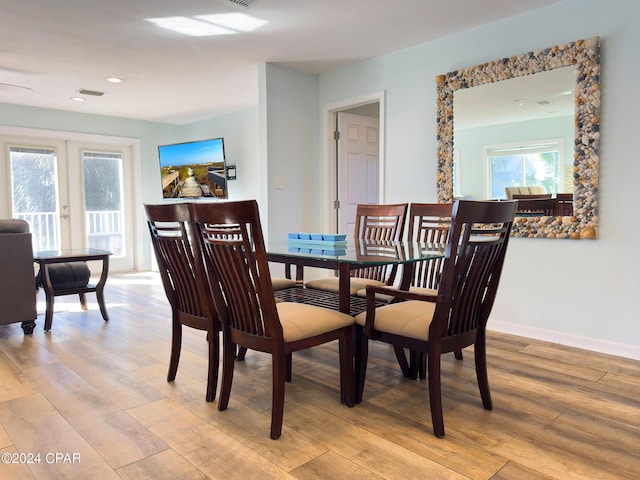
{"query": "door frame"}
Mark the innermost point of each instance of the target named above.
(330, 114)
(135, 171)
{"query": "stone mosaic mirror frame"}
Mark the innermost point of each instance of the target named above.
(585, 56)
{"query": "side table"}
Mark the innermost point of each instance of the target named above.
(46, 258)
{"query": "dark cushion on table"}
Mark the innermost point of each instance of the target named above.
(68, 275)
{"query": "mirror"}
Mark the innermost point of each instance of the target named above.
(583, 57)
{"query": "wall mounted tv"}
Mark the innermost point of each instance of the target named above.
(193, 169)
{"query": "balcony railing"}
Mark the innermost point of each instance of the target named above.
(104, 230)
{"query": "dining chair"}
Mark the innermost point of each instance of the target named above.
(536, 207)
(428, 223)
(190, 304)
(456, 315)
(377, 223)
(231, 248)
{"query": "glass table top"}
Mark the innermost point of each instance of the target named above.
(362, 252)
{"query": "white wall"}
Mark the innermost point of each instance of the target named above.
(583, 293)
(289, 142)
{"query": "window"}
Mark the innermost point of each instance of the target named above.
(104, 201)
(524, 166)
(34, 194)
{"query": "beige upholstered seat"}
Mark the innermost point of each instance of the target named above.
(280, 283)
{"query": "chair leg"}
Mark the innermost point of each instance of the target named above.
(347, 385)
(414, 364)
(289, 366)
(402, 361)
(228, 363)
(279, 368)
(435, 393)
(214, 360)
(422, 366)
(176, 342)
(458, 354)
(361, 358)
(242, 351)
(480, 351)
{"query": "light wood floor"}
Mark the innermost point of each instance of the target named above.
(96, 393)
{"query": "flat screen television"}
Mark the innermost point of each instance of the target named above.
(193, 169)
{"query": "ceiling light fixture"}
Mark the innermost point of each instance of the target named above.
(234, 21)
(190, 26)
(208, 25)
(114, 80)
(94, 93)
(77, 99)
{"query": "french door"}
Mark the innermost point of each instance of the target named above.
(72, 194)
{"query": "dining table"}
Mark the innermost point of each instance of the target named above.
(355, 254)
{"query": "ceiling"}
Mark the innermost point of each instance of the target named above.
(51, 50)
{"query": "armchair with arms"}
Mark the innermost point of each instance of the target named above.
(456, 315)
(17, 282)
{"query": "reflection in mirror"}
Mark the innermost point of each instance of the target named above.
(515, 133)
(582, 59)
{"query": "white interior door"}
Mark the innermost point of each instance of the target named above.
(357, 166)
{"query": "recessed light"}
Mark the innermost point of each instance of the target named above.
(78, 99)
(114, 80)
(190, 26)
(235, 21)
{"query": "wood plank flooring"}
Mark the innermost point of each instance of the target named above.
(91, 398)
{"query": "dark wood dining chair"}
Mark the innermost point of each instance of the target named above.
(529, 207)
(373, 222)
(456, 316)
(231, 247)
(190, 303)
(428, 223)
(564, 204)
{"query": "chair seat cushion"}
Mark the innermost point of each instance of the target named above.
(68, 275)
(280, 283)
(303, 321)
(409, 319)
(331, 284)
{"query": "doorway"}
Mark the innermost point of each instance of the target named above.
(356, 158)
(72, 194)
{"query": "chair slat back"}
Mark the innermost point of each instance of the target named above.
(168, 226)
(473, 265)
(230, 241)
(379, 222)
(429, 223)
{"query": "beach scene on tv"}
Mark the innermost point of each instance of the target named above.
(193, 169)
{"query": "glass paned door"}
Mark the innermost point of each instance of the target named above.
(34, 194)
(103, 200)
(73, 194)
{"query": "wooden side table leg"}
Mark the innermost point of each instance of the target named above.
(49, 295)
(83, 301)
(100, 288)
(48, 316)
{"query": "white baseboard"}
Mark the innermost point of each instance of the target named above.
(562, 338)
